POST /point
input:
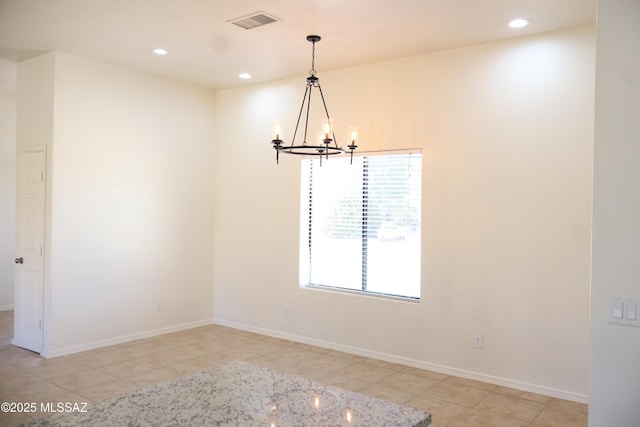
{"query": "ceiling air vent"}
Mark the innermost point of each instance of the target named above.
(253, 20)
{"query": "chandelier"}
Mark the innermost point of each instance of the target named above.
(325, 144)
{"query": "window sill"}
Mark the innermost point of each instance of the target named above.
(334, 289)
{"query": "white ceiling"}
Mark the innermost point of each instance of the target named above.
(204, 48)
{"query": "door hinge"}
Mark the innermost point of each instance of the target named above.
(40, 250)
(41, 176)
(40, 324)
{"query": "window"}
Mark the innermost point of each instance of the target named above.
(360, 223)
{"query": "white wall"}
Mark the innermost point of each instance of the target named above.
(615, 370)
(506, 131)
(8, 86)
(130, 204)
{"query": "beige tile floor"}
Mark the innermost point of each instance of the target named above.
(95, 375)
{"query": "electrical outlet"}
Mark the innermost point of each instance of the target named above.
(287, 310)
(477, 341)
(159, 306)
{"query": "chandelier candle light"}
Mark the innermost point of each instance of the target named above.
(325, 144)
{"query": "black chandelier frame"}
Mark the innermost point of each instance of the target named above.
(329, 145)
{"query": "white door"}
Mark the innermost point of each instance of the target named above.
(29, 262)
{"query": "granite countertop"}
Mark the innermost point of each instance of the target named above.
(243, 394)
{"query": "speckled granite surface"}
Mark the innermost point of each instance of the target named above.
(246, 395)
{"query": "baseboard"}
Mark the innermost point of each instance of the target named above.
(6, 307)
(122, 339)
(505, 382)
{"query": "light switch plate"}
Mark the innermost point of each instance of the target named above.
(624, 311)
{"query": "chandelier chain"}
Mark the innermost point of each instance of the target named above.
(313, 59)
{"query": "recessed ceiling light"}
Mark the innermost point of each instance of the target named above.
(518, 23)
(245, 75)
(160, 51)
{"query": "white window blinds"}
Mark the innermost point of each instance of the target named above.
(360, 227)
